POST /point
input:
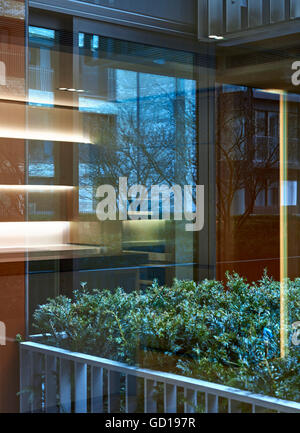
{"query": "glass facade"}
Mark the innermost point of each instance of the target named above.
(134, 108)
(149, 208)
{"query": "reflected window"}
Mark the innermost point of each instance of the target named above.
(41, 159)
(41, 65)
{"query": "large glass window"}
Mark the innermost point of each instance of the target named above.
(149, 206)
(135, 108)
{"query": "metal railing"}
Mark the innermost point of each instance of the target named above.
(230, 16)
(41, 78)
(57, 380)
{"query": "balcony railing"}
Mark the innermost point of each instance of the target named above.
(230, 16)
(56, 380)
(41, 78)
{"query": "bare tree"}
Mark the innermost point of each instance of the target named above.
(149, 141)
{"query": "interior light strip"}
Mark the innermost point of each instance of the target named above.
(31, 246)
(41, 188)
(42, 136)
(22, 234)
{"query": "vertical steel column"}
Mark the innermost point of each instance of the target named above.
(283, 225)
(206, 238)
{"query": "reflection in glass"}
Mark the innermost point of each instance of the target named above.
(137, 105)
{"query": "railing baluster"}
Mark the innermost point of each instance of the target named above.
(25, 380)
(114, 382)
(190, 403)
(215, 17)
(50, 384)
(260, 409)
(150, 401)
(234, 406)
(108, 391)
(170, 398)
(65, 386)
(233, 16)
(255, 13)
(80, 387)
(277, 10)
(295, 9)
(37, 382)
(97, 390)
(131, 393)
(211, 403)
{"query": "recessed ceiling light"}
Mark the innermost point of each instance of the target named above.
(66, 89)
(216, 37)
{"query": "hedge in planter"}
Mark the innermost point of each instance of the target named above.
(211, 331)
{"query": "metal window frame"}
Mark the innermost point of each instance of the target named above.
(204, 73)
(117, 16)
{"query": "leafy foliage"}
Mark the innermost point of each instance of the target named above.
(212, 331)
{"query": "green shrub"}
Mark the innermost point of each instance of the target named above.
(212, 331)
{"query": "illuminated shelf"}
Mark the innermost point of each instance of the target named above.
(41, 136)
(42, 188)
(19, 253)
